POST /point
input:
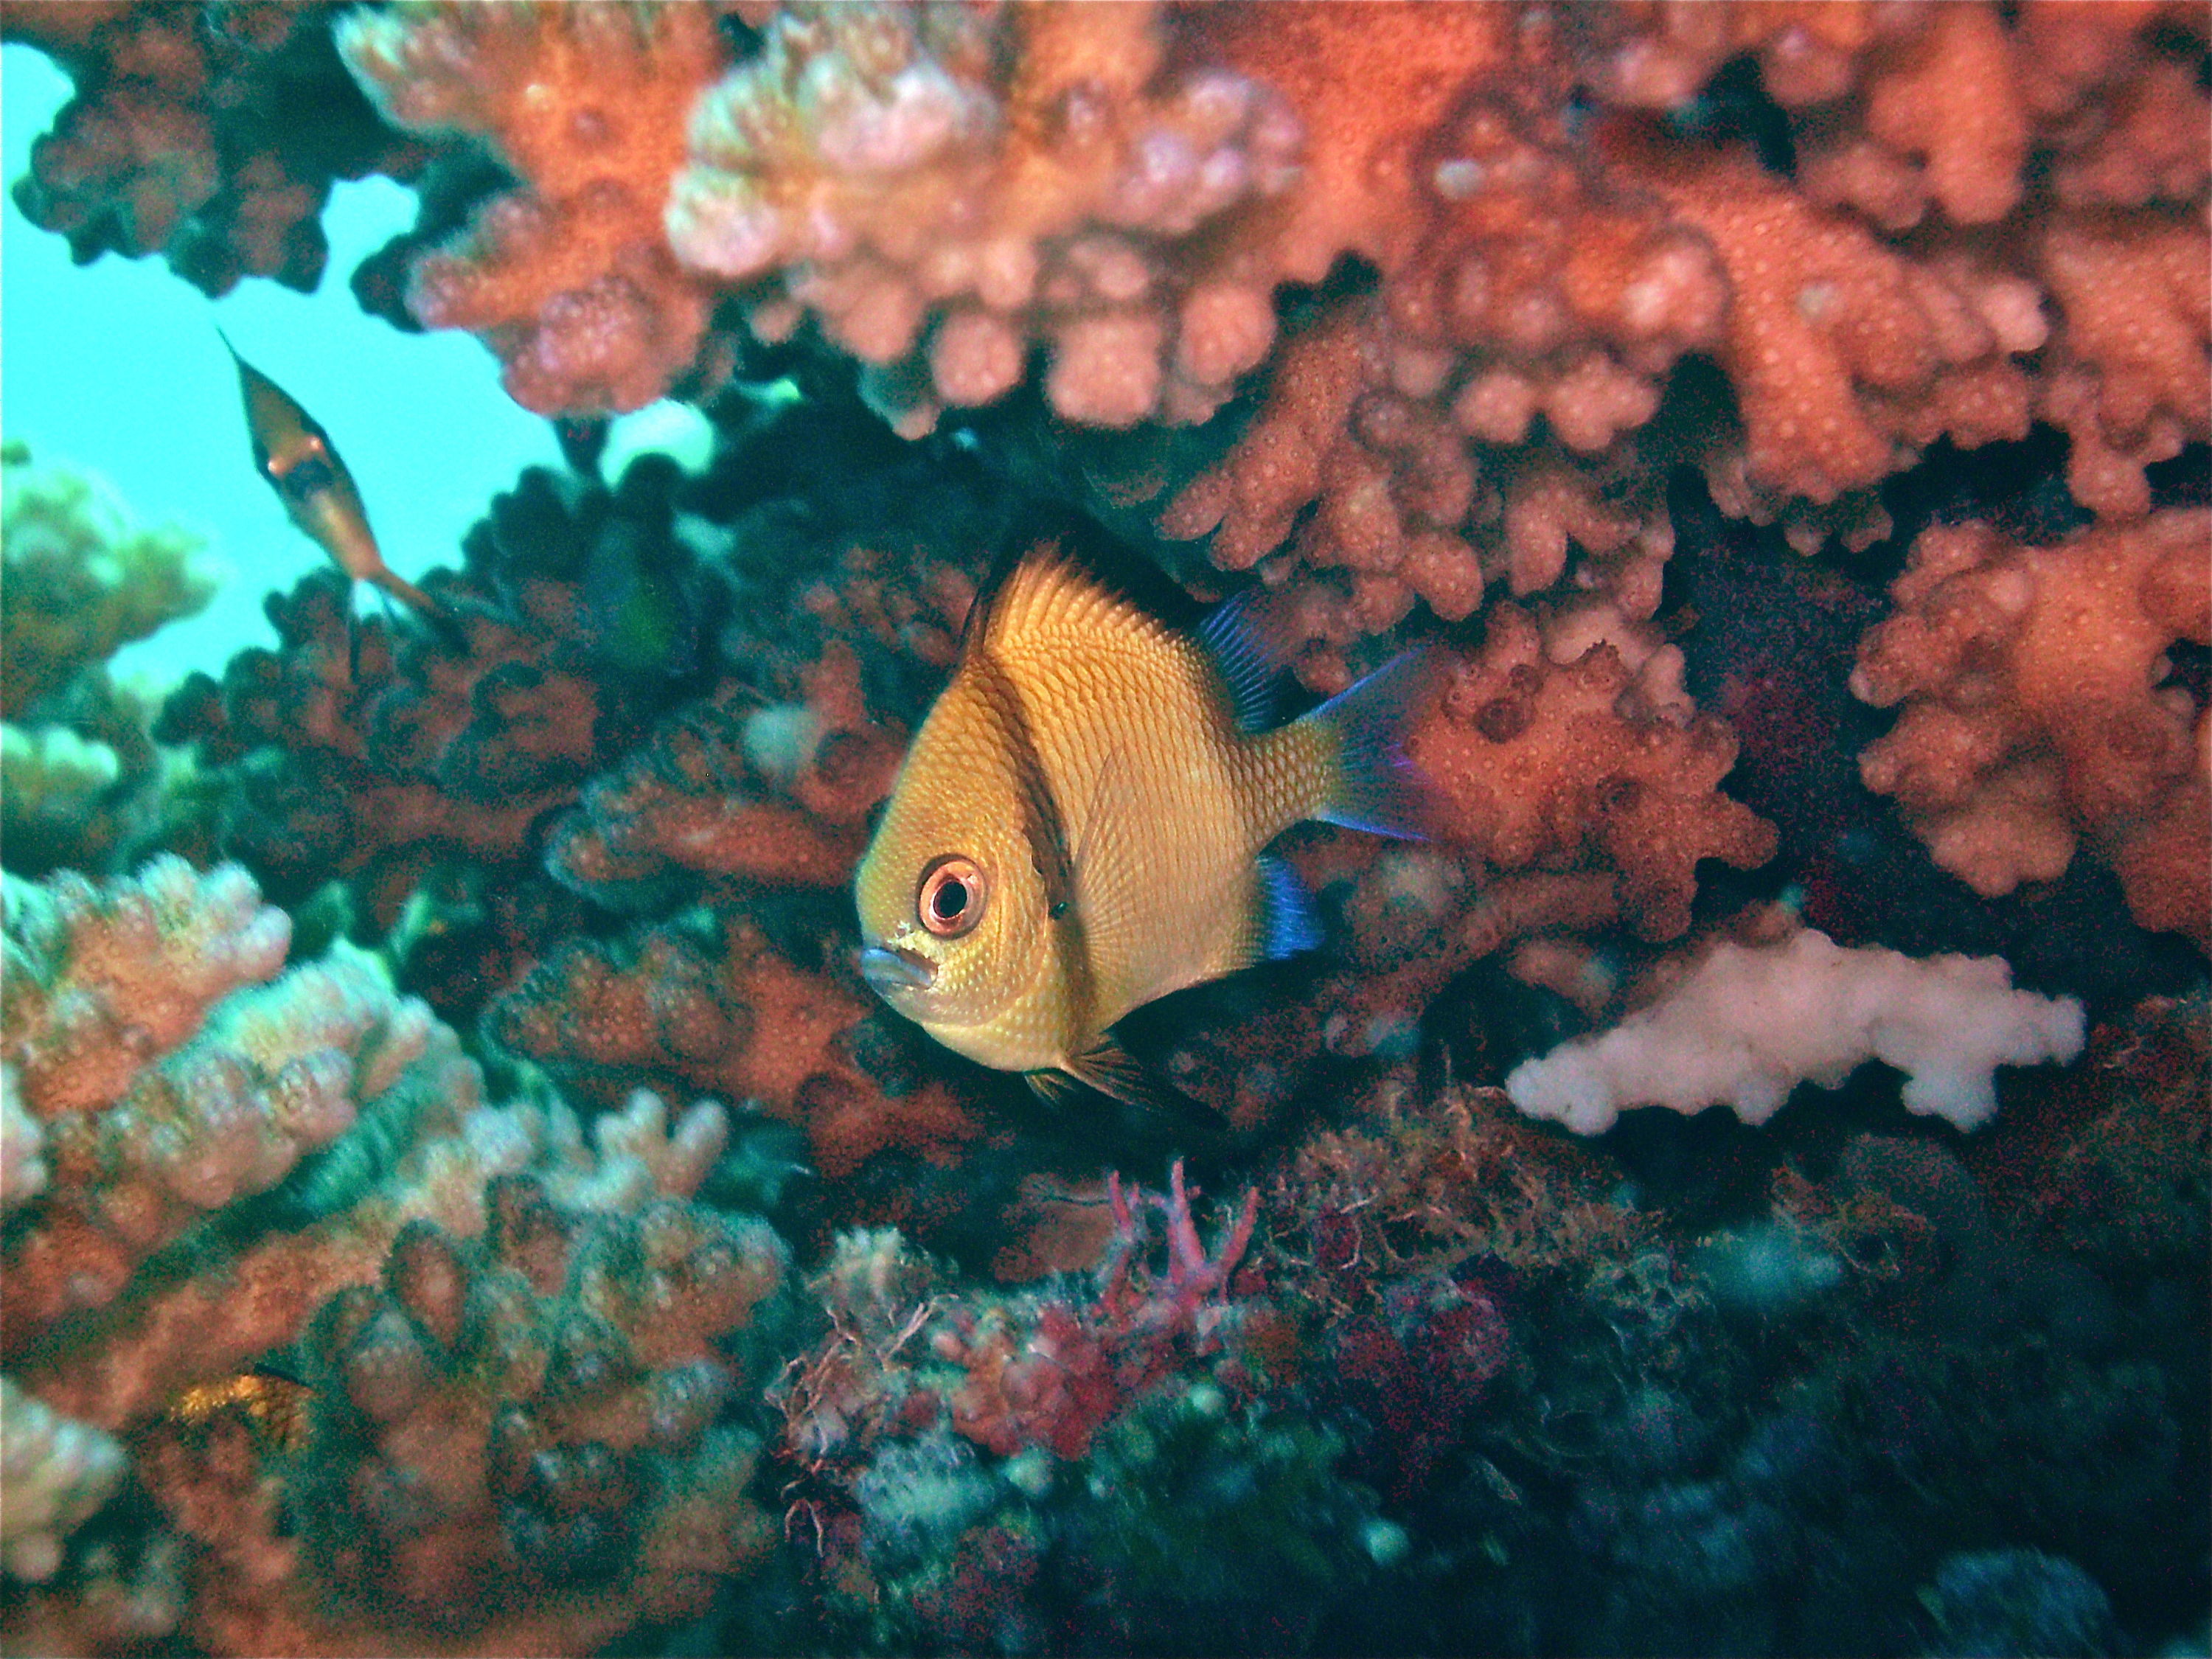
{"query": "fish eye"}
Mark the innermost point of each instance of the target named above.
(951, 900)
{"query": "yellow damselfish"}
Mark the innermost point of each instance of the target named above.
(1079, 825)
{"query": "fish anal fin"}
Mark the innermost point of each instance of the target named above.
(1112, 1070)
(1288, 921)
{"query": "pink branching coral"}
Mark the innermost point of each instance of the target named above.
(208, 133)
(164, 1084)
(1047, 1368)
(158, 1070)
(2037, 708)
(54, 1473)
(569, 279)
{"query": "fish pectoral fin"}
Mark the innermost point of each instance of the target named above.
(1108, 1067)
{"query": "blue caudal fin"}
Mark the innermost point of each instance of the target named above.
(1376, 788)
(1287, 923)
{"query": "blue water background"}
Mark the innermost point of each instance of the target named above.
(115, 367)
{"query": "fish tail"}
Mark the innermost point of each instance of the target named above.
(1372, 785)
(427, 606)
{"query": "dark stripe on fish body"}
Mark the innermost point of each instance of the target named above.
(305, 478)
(1045, 827)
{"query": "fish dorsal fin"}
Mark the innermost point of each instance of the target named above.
(1251, 642)
(1061, 573)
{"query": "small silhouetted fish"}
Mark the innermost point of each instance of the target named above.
(1078, 827)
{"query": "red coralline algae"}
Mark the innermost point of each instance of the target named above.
(210, 134)
(569, 279)
(2037, 708)
(1048, 1367)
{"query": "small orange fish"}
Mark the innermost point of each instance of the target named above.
(274, 1404)
(295, 454)
(1080, 824)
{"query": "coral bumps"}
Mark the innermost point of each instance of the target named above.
(520, 1431)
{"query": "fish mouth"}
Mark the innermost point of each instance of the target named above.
(891, 968)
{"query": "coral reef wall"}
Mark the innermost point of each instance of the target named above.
(1741, 1184)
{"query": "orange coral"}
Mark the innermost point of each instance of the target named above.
(210, 133)
(772, 794)
(2130, 371)
(1370, 83)
(569, 279)
(2037, 708)
(732, 1017)
(1542, 765)
(1846, 358)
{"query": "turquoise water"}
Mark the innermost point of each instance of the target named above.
(117, 368)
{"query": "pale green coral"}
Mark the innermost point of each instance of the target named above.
(54, 1473)
(82, 580)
